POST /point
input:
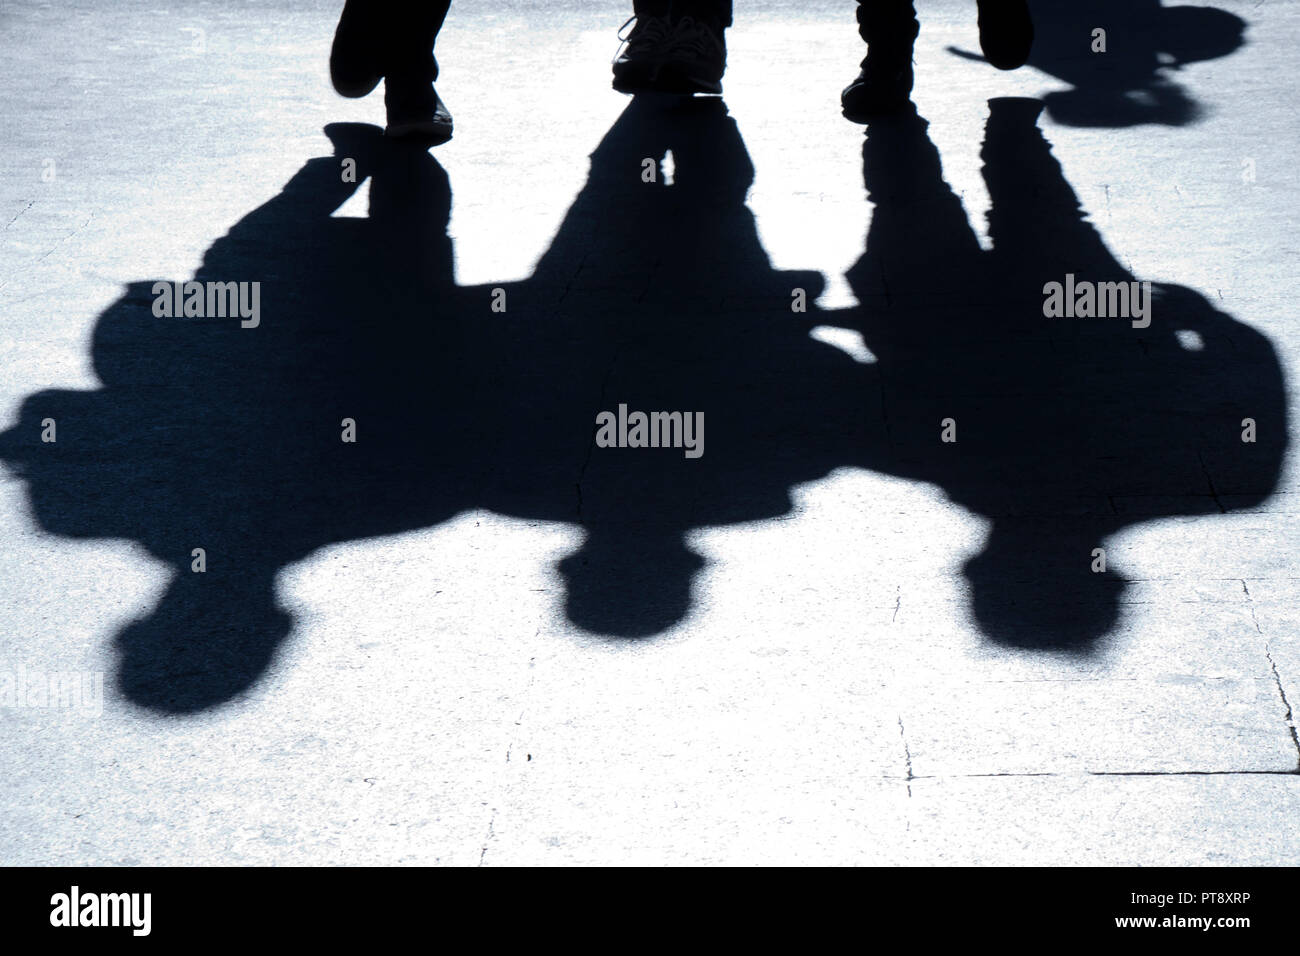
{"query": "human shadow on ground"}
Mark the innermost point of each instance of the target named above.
(1068, 429)
(659, 297)
(1134, 81)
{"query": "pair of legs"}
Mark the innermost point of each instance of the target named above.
(392, 41)
(676, 46)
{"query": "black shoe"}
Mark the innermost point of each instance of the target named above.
(695, 59)
(883, 87)
(1006, 32)
(415, 111)
(356, 57)
(636, 67)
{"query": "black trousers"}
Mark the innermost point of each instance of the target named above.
(873, 15)
(409, 29)
(423, 20)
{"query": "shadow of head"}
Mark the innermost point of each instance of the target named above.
(630, 584)
(1023, 597)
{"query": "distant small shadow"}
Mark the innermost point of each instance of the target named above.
(1146, 45)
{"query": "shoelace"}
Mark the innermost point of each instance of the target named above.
(648, 36)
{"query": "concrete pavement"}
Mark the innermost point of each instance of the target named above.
(482, 639)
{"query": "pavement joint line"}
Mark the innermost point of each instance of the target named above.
(1104, 773)
(920, 685)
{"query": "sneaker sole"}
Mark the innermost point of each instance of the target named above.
(864, 119)
(675, 90)
(431, 134)
(690, 87)
(674, 84)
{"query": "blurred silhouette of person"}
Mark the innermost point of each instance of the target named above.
(889, 27)
(392, 40)
(1074, 430)
(652, 295)
(217, 465)
(679, 46)
(456, 407)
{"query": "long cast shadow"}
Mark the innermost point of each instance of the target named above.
(658, 297)
(1068, 429)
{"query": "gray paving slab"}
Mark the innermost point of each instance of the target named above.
(1234, 820)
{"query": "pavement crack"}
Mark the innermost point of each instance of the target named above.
(54, 247)
(29, 205)
(1214, 492)
(1281, 692)
(591, 445)
(1277, 677)
(568, 286)
(502, 791)
(488, 839)
(907, 754)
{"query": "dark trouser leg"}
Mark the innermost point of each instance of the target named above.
(685, 55)
(414, 109)
(413, 28)
(885, 82)
(385, 38)
(887, 20)
(717, 12)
